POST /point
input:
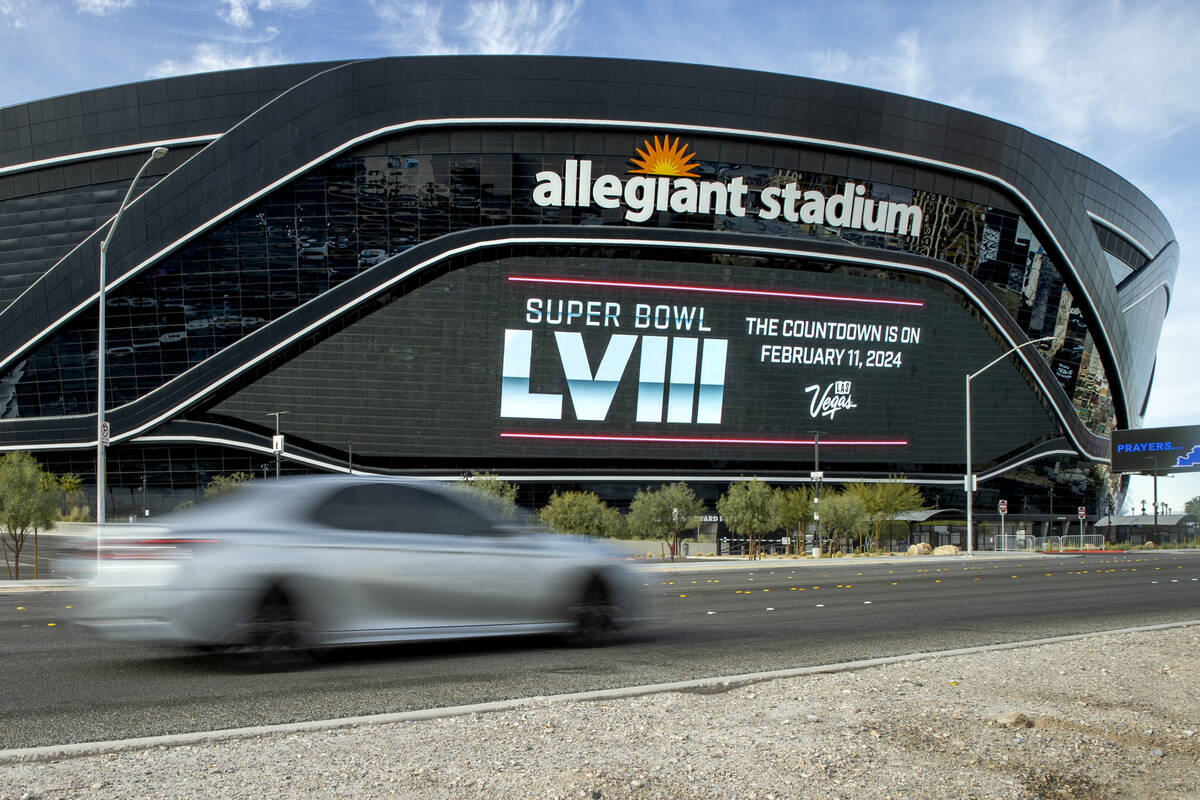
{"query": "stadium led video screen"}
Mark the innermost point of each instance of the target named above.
(1160, 450)
(577, 358)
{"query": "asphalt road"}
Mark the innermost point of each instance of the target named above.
(59, 684)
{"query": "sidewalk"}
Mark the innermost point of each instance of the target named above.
(959, 723)
(43, 585)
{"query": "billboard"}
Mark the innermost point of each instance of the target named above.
(566, 357)
(1158, 450)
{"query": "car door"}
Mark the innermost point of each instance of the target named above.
(370, 560)
(473, 576)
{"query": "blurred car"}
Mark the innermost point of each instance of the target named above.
(292, 565)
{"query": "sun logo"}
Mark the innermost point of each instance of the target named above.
(665, 158)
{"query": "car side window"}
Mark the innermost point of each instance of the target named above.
(394, 508)
(430, 512)
(344, 510)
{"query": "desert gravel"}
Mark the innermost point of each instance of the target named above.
(1109, 716)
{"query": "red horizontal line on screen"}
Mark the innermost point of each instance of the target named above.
(678, 287)
(595, 437)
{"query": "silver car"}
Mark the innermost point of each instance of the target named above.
(292, 565)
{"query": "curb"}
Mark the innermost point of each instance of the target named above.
(810, 563)
(47, 585)
(707, 685)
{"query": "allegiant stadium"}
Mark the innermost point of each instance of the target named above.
(568, 272)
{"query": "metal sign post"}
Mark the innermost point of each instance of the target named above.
(1003, 511)
(1082, 517)
(276, 440)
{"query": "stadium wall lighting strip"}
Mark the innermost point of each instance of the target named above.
(1153, 290)
(592, 123)
(677, 287)
(579, 478)
(600, 437)
(90, 155)
(1169, 257)
(1121, 232)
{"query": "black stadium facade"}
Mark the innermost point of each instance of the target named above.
(571, 272)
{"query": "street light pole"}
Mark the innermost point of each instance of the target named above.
(101, 342)
(969, 480)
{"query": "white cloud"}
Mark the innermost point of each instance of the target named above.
(13, 12)
(102, 7)
(1076, 74)
(210, 57)
(238, 13)
(417, 27)
(523, 26)
(902, 69)
(413, 28)
(283, 5)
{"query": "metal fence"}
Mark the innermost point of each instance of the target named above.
(732, 546)
(1055, 544)
(1014, 544)
(1082, 542)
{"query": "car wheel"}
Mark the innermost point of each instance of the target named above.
(274, 635)
(592, 618)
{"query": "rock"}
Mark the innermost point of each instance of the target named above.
(946, 550)
(919, 549)
(1014, 719)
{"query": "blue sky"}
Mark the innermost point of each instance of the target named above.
(1116, 81)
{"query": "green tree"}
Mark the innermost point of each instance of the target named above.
(894, 497)
(795, 507)
(750, 509)
(665, 513)
(491, 491)
(842, 517)
(71, 485)
(1192, 507)
(224, 484)
(28, 503)
(884, 500)
(582, 513)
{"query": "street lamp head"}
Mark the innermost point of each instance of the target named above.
(158, 152)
